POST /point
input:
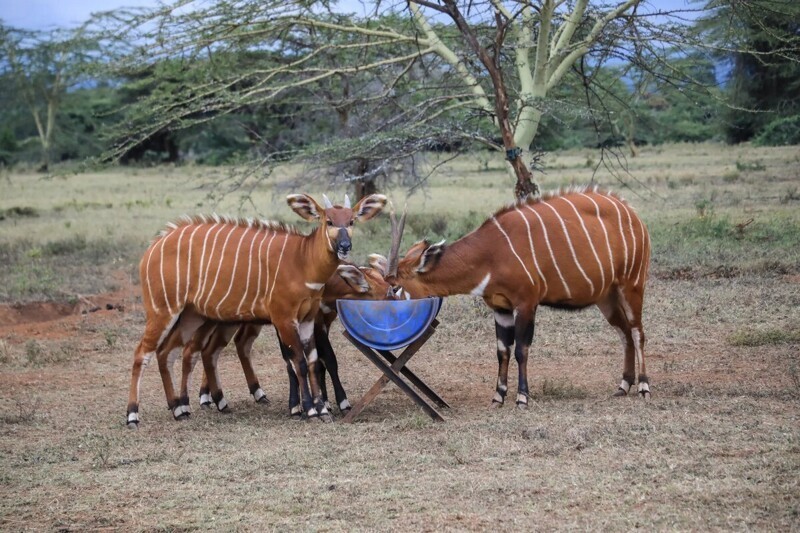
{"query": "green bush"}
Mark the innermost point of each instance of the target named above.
(780, 132)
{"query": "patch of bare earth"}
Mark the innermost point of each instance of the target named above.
(717, 447)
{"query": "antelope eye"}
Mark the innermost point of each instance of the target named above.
(330, 223)
(351, 222)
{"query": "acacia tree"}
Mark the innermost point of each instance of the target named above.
(430, 72)
(43, 66)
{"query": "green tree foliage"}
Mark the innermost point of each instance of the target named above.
(761, 41)
(42, 67)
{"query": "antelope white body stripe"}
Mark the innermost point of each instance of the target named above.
(163, 283)
(202, 288)
(267, 259)
(621, 233)
(605, 232)
(219, 268)
(277, 268)
(591, 244)
(513, 251)
(571, 248)
(233, 271)
(550, 249)
(260, 262)
(189, 264)
(645, 259)
(249, 271)
(147, 277)
(478, 291)
(178, 268)
(628, 270)
(533, 253)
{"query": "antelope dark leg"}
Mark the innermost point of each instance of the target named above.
(156, 328)
(631, 298)
(244, 344)
(302, 348)
(523, 335)
(614, 313)
(328, 358)
(309, 349)
(295, 409)
(504, 330)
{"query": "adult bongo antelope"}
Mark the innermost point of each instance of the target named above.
(569, 249)
(235, 270)
(349, 281)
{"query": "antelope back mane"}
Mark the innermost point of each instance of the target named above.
(564, 191)
(255, 223)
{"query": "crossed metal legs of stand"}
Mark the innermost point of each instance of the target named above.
(398, 366)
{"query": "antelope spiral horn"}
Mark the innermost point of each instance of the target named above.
(326, 201)
(347, 201)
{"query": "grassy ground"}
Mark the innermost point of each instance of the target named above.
(718, 447)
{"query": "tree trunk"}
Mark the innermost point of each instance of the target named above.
(364, 186)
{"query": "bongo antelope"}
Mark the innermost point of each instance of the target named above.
(349, 281)
(242, 270)
(569, 250)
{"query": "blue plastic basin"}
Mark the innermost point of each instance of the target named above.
(387, 324)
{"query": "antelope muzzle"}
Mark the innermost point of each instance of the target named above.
(343, 244)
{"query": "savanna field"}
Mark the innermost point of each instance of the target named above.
(717, 447)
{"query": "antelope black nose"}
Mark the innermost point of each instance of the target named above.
(343, 242)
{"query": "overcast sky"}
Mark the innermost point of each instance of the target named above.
(45, 14)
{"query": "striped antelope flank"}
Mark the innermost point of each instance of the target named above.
(241, 270)
(569, 249)
(349, 281)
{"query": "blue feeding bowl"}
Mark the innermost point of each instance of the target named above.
(387, 324)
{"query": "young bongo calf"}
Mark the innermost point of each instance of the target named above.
(349, 281)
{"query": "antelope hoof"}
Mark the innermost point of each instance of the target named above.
(344, 406)
(496, 405)
(181, 412)
(133, 425)
(644, 390)
(222, 406)
(260, 397)
(620, 393)
(183, 416)
(326, 418)
(296, 413)
(522, 406)
(132, 421)
(205, 401)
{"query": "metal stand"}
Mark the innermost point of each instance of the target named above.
(392, 371)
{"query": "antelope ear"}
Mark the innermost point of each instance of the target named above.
(430, 257)
(369, 206)
(379, 263)
(354, 277)
(305, 206)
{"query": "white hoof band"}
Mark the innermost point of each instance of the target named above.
(133, 418)
(498, 398)
(345, 405)
(205, 399)
(625, 386)
(522, 399)
(296, 410)
(644, 389)
(222, 405)
(179, 411)
(258, 394)
(312, 413)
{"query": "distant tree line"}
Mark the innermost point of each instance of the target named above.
(312, 82)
